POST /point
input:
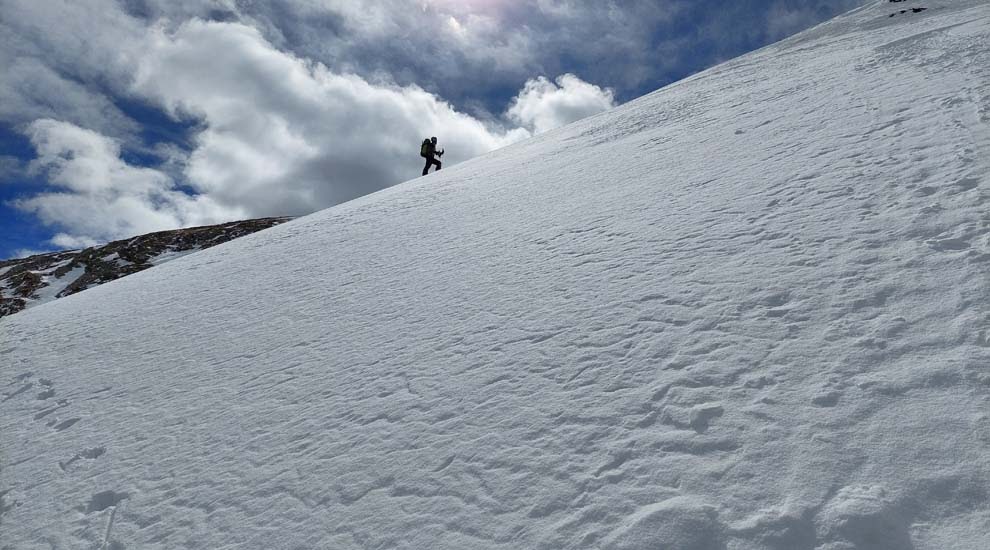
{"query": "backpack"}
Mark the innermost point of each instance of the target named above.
(426, 148)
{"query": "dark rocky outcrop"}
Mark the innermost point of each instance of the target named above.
(30, 281)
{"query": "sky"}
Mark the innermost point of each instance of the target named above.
(122, 117)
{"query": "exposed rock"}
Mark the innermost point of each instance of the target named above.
(31, 281)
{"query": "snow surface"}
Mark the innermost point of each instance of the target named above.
(54, 285)
(116, 260)
(171, 254)
(748, 311)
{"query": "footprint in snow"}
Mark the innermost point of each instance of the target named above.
(58, 405)
(96, 507)
(86, 454)
(63, 425)
(101, 501)
(943, 245)
(18, 391)
(697, 418)
(967, 184)
(826, 399)
(48, 392)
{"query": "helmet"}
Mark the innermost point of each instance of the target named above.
(433, 139)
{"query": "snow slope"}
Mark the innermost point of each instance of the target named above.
(748, 311)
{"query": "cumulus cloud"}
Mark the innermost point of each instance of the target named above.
(456, 48)
(27, 252)
(66, 60)
(301, 104)
(544, 105)
(479, 52)
(284, 135)
(31, 91)
(471, 53)
(100, 197)
(277, 135)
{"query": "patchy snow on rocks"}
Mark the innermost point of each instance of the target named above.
(171, 254)
(39, 279)
(748, 311)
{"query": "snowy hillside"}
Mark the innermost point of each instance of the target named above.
(748, 311)
(39, 279)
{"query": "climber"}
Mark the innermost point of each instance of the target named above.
(429, 151)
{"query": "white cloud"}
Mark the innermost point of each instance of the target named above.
(314, 102)
(283, 135)
(65, 241)
(31, 90)
(99, 197)
(544, 105)
(66, 60)
(27, 253)
(278, 135)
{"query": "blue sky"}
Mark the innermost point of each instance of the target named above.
(120, 117)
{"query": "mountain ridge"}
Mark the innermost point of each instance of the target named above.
(40, 278)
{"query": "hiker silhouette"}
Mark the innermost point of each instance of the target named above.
(429, 151)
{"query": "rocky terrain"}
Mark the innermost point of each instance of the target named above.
(27, 282)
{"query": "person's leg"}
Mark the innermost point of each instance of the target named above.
(431, 161)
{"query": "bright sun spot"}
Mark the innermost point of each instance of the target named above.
(456, 26)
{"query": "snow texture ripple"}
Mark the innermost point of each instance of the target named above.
(748, 311)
